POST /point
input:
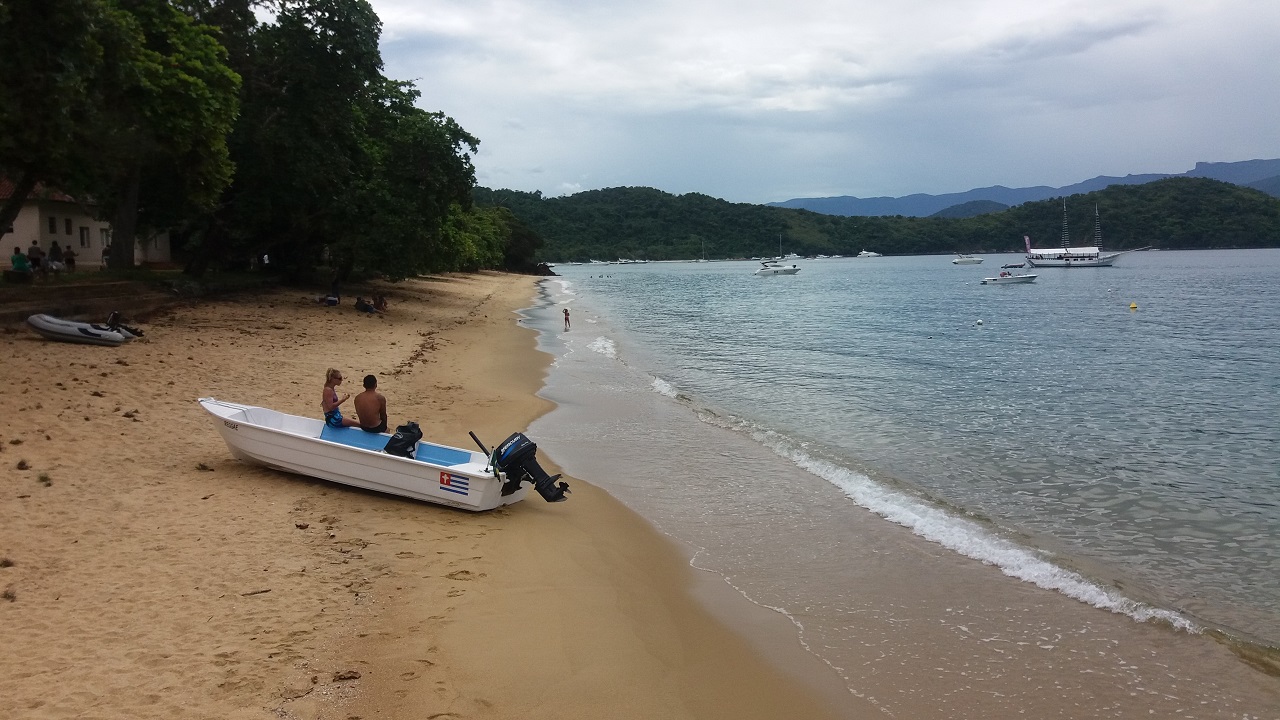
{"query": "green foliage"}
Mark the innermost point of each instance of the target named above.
(335, 163)
(127, 101)
(170, 104)
(642, 223)
(243, 138)
(973, 208)
(49, 94)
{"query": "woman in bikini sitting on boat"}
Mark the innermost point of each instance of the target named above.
(330, 401)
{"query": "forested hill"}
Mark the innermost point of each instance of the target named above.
(647, 224)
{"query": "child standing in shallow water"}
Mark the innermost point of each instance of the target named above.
(330, 401)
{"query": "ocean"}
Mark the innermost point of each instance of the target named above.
(1058, 499)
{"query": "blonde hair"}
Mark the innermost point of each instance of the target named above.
(329, 375)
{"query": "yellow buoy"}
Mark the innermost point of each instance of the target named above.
(1133, 306)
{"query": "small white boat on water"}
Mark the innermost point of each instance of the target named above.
(436, 473)
(1007, 278)
(966, 260)
(111, 333)
(868, 254)
(773, 267)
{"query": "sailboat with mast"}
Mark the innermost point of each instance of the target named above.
(1068, 256)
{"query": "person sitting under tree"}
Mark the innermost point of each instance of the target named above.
(21, 265)
(35, 256)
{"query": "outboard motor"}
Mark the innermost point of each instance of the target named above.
(515, 457)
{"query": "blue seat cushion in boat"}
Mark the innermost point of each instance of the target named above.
(426, 452)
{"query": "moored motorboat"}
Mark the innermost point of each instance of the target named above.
(868, 254)
(773, 267)
(435, 473)
(55, 328)
(1007, 278)
(966, 260)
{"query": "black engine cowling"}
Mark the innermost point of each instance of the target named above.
(516, 457)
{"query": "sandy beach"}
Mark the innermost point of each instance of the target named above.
(147, 574)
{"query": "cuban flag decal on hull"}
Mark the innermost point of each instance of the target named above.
(454, 483)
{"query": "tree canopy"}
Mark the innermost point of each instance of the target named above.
(245, 138)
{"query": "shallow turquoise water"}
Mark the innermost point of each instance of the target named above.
(1140, 443)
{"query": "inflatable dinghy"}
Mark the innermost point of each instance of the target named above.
(79, 332)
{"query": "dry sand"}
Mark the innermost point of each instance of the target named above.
(147, 574)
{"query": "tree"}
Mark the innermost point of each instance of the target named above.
(411, 209)
(127, 101)
(49, 92)
(334, 162)
(299, 144)
(170, 102)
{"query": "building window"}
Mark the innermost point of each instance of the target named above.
(84, 236)
(68, 226)
(53, 225)
(105, 235)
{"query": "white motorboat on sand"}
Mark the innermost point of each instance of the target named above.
(434, 473)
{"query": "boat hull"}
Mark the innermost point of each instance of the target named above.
(306, 446)
(1009, 280)
(781, 270)
(967, 260)
(71, 331)
(1066, 258)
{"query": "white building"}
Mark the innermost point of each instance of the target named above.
(49, 216)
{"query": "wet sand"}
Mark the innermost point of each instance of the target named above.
(146, 573)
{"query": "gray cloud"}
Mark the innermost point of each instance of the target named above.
(757, 101)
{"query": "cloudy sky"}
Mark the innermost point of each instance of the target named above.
(758, 101)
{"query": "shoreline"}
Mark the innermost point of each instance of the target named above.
(147, 573)
(630, 638)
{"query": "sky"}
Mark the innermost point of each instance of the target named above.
(757, 102)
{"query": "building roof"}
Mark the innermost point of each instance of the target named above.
(40, 192)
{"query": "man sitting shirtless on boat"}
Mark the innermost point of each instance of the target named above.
(371, 407)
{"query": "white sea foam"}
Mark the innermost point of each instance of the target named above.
(604, 346)
(958, 534)
(662, 387)
(972, 540)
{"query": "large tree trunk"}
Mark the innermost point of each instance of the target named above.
(13, 205)
(199, 258)
(124, 229)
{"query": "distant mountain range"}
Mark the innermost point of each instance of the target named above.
(1262, 175)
